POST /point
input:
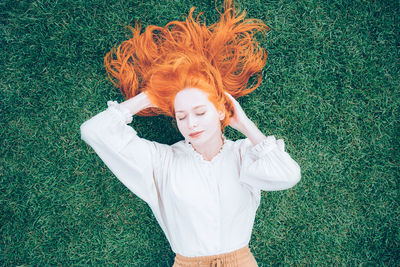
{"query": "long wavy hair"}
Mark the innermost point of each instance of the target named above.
(162, 61)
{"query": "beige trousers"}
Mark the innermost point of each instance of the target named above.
(238, 258)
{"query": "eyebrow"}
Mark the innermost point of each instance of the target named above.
(193, 108)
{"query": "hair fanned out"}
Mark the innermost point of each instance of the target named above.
(161, 61)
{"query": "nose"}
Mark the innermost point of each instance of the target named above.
(192, 121)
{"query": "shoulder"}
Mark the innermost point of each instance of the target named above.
(173, 150)
(241, 145)
(179, 148)
(236, 147)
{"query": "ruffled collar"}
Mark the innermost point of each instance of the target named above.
(200, 157)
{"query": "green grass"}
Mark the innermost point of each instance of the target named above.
(330, 90)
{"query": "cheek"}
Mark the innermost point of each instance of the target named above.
(181, 126)
(211, 121)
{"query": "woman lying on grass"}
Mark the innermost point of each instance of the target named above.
(204, 190)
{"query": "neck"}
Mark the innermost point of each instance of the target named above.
(211, 149)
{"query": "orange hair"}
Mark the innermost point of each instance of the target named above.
(164, 60)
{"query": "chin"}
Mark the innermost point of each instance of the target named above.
(199, 140)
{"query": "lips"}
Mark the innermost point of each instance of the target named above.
(195, 134)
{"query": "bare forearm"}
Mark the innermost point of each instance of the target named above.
(251, 131)
(137, 103)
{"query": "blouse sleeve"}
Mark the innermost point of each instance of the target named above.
(133, 160)
(266, 166)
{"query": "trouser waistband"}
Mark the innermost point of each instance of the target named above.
(233, 257)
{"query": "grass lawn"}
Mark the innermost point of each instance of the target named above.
(330, 90)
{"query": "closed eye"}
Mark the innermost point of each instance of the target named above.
(199, 114)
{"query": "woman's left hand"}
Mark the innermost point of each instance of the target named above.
(239, 119)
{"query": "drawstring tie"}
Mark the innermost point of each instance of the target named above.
(216, 263)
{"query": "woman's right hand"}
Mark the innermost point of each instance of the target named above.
(137, 103)
(149, 103)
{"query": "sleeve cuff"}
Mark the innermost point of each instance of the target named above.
(124, 113)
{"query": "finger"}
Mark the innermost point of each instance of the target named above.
(230, 96)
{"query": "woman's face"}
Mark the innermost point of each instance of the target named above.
(195, 113)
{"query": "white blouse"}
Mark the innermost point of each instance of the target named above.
(203, 207)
